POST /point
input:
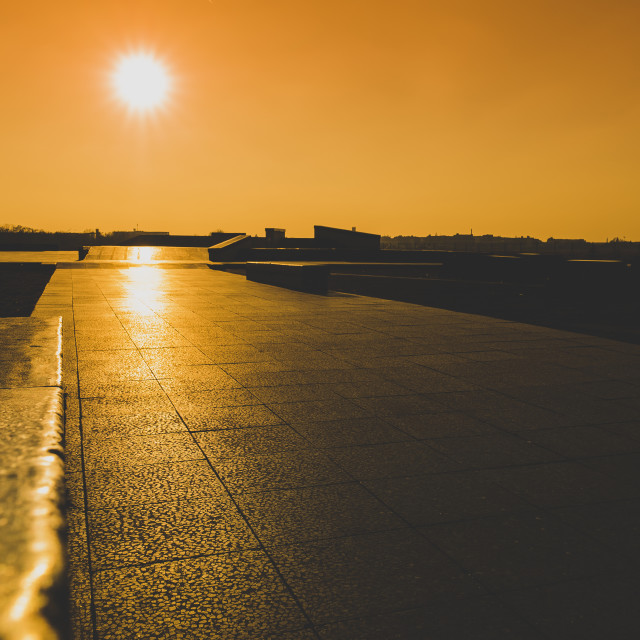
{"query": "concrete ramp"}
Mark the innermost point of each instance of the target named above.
(147, 255)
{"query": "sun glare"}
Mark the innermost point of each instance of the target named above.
(141, 81)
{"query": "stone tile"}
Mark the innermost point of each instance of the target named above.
(325, 512)
(231, 444)
(217, 597)
(481, 618)
(163, 361)
(354, 431)
(116, 406)
(446, 497)
(139, 534)
(590, 609)
(629, 430)
(192, 378)
(391, 459)
(524, 550)
(74, 491)
(616, 524)
(208, 418)
(212, 398)
(495, 450)
(285, 471)
(318, 410)
(560, 484)
(73, 456)
(124, 391)
(344, 577)
(121, 424)
(140, 484)
(440, 425)
(78, 580)
(233, 354)
(399, 405)
(581, 442)
(296, 393)
(126, 452)
(625, 468)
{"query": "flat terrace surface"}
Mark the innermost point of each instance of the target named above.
(245, 461)
(148, 255)
(38, 256)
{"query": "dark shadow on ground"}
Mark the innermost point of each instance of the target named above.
(21, 285)
(607, 312)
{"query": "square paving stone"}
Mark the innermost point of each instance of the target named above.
(236, 595)
(207, 418)
(295, 393)
(188, 402)
(354, 431)
(629, 430)
(616, 524)
(625, 468)
(391, 459)
(185, 378)
(482, 618)
(126, 452)
(109, 488)
(318, 410)
(579, 442)
(399, 405)
(560, 484)
(440, 425)
(495, 450)
(74, 491)
(445, 497)
(312, 513)
(119, 406)
(135, 424)
(121, 390)
(368, 574)
(370, 389)
(230, 444)
(233, 354)
(140, 534)
(590, 609)
(522, 550)
(284, 471)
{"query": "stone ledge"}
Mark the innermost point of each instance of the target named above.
(32, 602)
(311, 278)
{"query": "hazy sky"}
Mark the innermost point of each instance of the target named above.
(395, 116)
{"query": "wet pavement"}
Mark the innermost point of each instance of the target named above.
(245, 461)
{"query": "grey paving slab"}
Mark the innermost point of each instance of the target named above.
(446, 497)
(386, 460)
(353, 431)
(324, 574)
(108, 488)
(481, 618)
(133, 535)
(262, 463)
(231, 444)
(330, 511)
(594, 608)
(523, 550)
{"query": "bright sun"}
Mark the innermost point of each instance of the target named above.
(141, 81)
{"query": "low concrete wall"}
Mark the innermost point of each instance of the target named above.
(311, 278)
(32, 593)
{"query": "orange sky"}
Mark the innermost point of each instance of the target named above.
(396, 116)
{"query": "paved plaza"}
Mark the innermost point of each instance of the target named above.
(249, 462)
